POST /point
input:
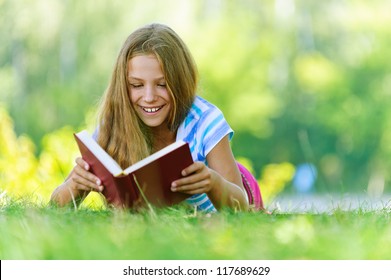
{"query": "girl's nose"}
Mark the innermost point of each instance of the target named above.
(149, 95)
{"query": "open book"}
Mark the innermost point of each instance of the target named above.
(147, 181)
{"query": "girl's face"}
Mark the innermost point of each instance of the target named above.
(148, 90)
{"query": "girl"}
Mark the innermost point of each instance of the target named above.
(150, 103)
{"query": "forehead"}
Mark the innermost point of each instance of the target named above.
(144, 64)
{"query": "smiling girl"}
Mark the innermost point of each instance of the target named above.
(150, 103)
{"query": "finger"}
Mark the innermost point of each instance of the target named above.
(81, 172)
(86, 185)
(199, 175)
(193, 191)
(197, 187)
(193, 168)
(192, 179)
(82, 163)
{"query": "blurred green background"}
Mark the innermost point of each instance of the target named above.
(300, 82)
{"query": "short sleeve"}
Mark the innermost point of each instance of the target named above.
(212, 128)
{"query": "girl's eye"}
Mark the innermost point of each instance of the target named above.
(136, 85)
(162, 85)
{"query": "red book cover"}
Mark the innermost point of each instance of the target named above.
(152, 175)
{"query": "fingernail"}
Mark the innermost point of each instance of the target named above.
(98, 182)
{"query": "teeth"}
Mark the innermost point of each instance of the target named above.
(151, 110)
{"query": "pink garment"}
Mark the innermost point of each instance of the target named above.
(252, 188)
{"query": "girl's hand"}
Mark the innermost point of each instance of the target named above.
(81, 179)
(77, 185)
(198, 178)
(220, 180)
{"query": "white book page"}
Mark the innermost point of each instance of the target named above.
(154, 156)
(101, 154)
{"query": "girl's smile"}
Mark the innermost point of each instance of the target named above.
(152, 110)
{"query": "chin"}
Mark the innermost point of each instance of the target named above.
(154, 124)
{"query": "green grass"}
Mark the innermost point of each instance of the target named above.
(43, 232)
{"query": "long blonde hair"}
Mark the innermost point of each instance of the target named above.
(121, 132)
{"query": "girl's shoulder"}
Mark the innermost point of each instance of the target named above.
(203, 109)
(204, 118)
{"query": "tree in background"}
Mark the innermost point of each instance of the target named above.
(300, 81)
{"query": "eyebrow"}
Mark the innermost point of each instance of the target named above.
(139, 79)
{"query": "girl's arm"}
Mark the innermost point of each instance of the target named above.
(221, 180)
